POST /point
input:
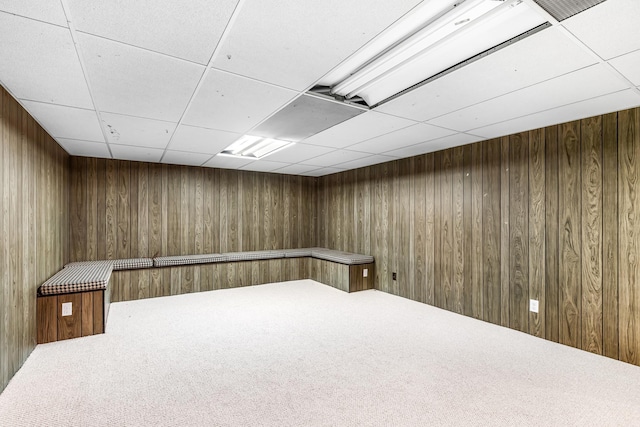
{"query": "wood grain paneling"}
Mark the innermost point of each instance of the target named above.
(418, 231)
(519, 232)
(629, 243)
(47, 313)
(88, 315)
(610, 235)
(156, 210)
(491, 231)
(505, 272)
(549, 214)
(591, 136)
(34, 227)
(446, 233)
(430, 232)
(477, 257)
(536, 229)
(458, 237)
(570, 271)
(552, 288)
(70, 326)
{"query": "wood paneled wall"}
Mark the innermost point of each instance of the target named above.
(34, 182)
(551, 214)
(123, 209)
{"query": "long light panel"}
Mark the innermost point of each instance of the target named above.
(254, 147)
(433, 38)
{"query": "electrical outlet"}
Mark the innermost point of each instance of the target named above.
(365, 272)
(394, 276)
(67, 308)
(533, 305)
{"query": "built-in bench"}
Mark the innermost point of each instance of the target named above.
(75, 301)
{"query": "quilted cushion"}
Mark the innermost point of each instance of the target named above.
(341, 257)
(89, 263)
(78, 278)
(132, 263)
(254, 255)
(297, 253)
(166, 261)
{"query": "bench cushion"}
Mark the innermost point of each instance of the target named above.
(297, 253)
(166, 261)
(89, 263)
(254, 255)
(341, 257)
(132, 263)
(118, 264)
(78, 278)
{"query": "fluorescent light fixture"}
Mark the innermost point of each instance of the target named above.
(435, 36)
(254, 147)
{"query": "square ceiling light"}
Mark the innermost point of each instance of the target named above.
(433, 37)
(255, 147)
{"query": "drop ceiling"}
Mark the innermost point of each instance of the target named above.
(177, 82)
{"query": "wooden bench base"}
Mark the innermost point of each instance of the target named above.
(347, 278)
(89, 312)
(127, 285)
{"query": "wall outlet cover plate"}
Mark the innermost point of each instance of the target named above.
(533, 305)
(67, 308)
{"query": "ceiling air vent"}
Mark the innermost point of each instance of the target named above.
(563, 9)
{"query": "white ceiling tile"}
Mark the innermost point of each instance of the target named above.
(601, 105)
(323, 171)
(127, 130)
(84, 148)
(629, 66)
(40, 63)
(610, 28)
(183, 158)
(189, 30)
(357, 129)
(264, 166)
(401, 138)
(233, 103)
(66, 122)
(435, 145)
(366, 161)
(296, 169)
(136, 154)
(42, 10)
(136, 82)
(227, 162)
(335, 157)
(549, 53)
(577, 86)
(298, 153)
(293, 44)
(202, 140)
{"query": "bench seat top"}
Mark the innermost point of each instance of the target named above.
(78, 278)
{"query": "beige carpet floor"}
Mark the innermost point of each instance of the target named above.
(304, 354)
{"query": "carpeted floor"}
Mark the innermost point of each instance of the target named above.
(304, 354)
